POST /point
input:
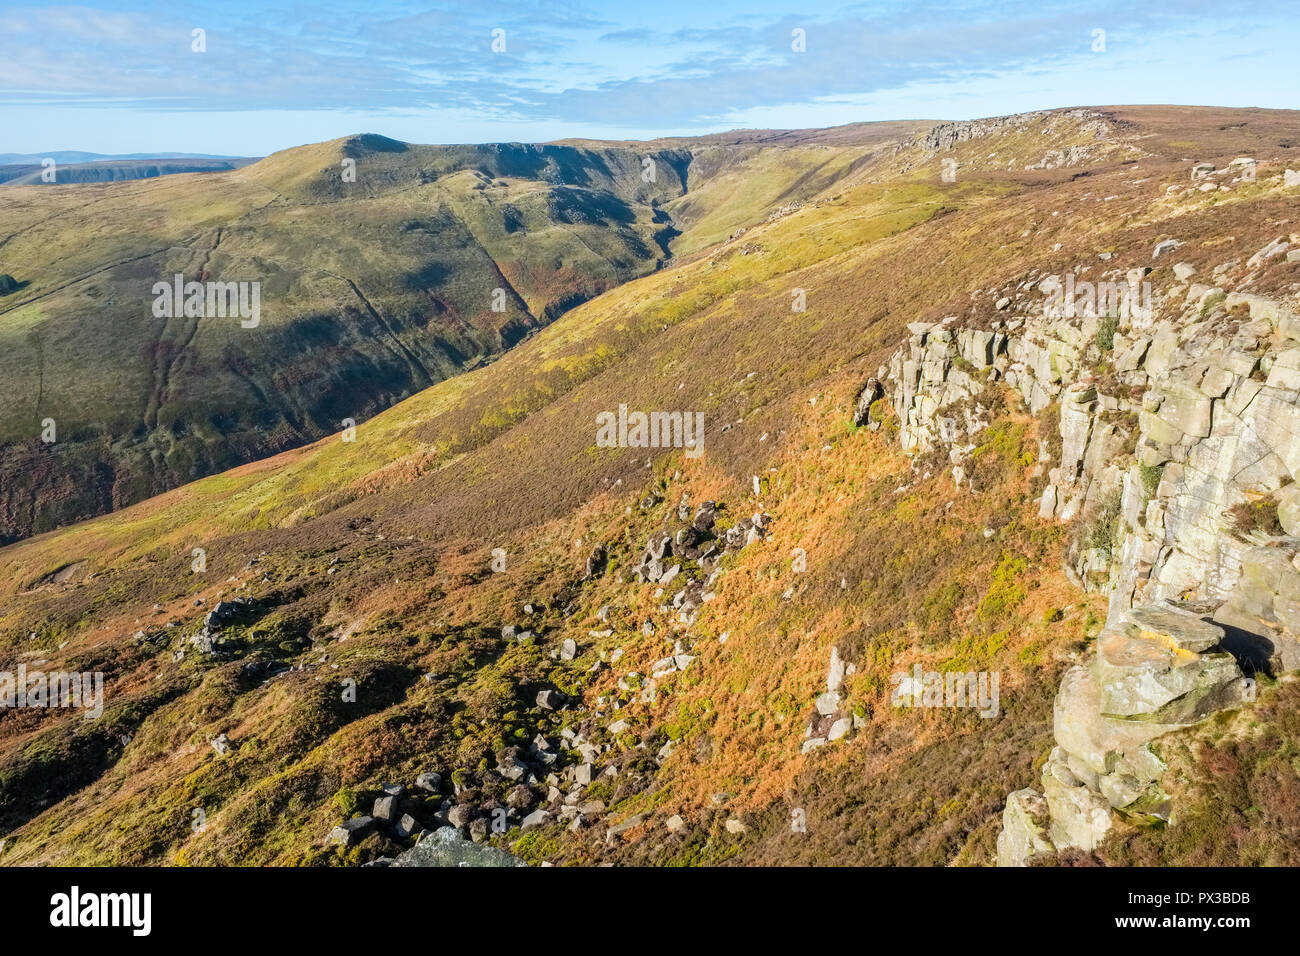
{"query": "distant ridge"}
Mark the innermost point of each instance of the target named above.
(77, 156)
(112, 170)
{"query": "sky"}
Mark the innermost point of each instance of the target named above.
(131, 77)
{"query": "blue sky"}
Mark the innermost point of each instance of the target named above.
(122, 76)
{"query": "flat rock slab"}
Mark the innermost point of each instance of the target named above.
(1150, 679)
(1181, 629)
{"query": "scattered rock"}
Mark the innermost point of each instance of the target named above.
(351, 832)
(550, 699)
(619, 829)
(385, 809)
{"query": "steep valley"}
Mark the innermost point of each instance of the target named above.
(368, 270)
(468, 619)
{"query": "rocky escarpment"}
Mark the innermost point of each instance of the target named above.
(947, 135)
(1178, 415)
(1060, 138)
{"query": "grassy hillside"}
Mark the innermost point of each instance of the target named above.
(110, 170)
(383, 268)
(372, 561)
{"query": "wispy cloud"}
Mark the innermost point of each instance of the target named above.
(670, 64)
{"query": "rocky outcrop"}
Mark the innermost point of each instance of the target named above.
(1158, 669)
(935, 385)
(872, 392)
(947, 135)
(1179, 426)
(1175, 419)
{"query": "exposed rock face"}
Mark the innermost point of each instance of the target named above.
(1024, 828)
(928, 379)
(1174, 416)
(351, 832)
(1197, 413)
(1159, 670)
(947, 135)
(872, 391)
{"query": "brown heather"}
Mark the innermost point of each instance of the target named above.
(503, 456)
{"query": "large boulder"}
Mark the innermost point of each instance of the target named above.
(386, 808)
(1174, 626)
(537, 818)
(871, 392)
(1024, 828)
(351, 832)
(222, 614)
(1152, 679)
(446, 847)
(460, 816)
(1080, 816)
(1101, 744)
(550, 699)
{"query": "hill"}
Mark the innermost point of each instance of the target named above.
(81, 156)
(112, 170)
(380, 268)
(476, 615)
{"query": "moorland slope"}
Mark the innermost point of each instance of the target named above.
(471, 614)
